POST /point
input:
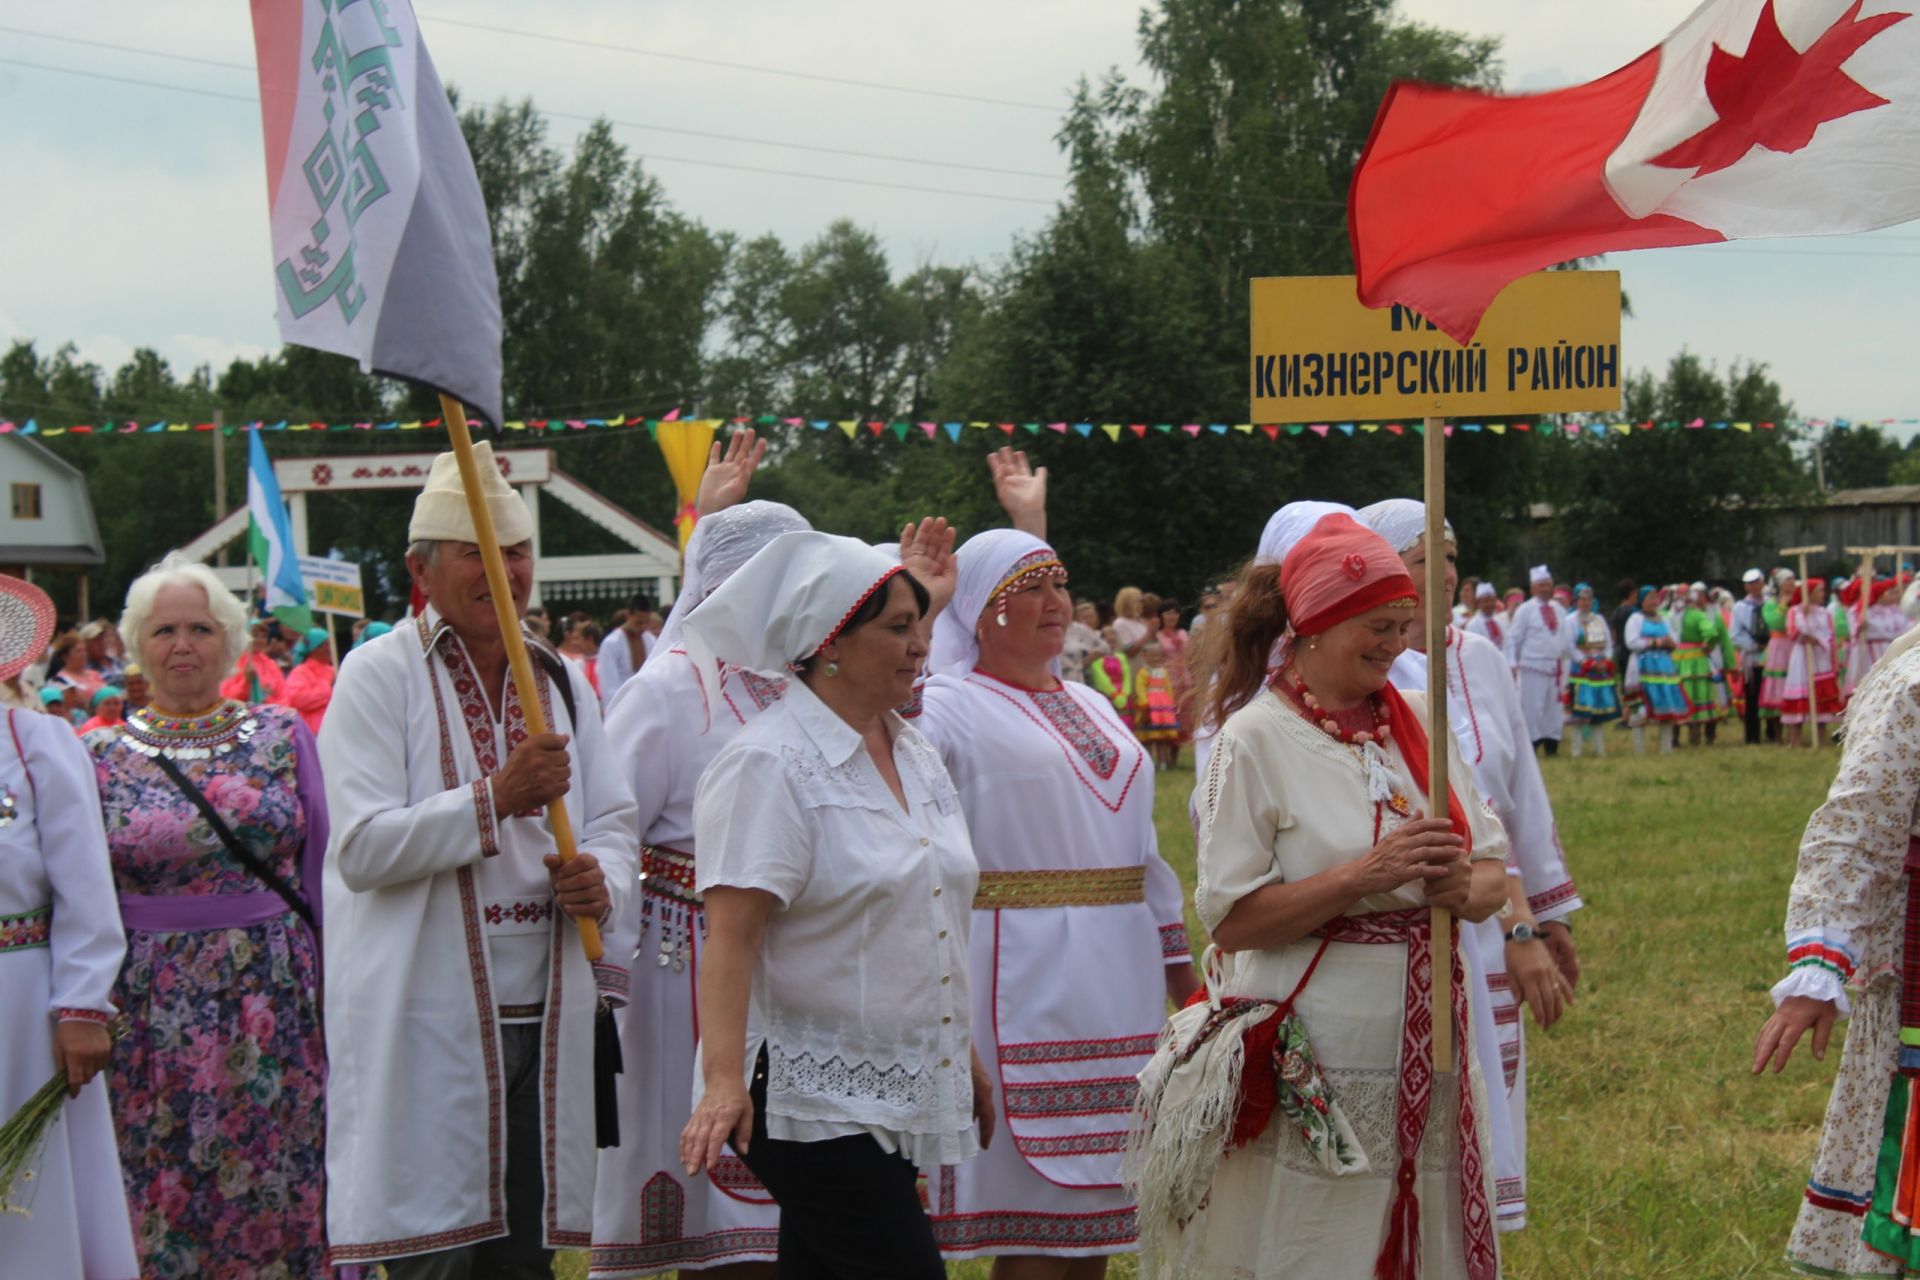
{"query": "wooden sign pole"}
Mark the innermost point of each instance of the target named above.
(1813, 682)
(1434, 592)
(519, 669)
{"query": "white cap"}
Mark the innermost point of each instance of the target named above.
(440, 513)
(1402, 522)
(1753, 575)
(1291, 523)
(1485, 591)
(1539, 573)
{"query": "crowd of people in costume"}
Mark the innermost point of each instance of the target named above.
(890, 945)
(1780, 657)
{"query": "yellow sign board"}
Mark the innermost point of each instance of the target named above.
(1549, 344)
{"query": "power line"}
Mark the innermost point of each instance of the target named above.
(819, 177)
(127, 48)
(710, 164)
(146, 84)
(1054, 108)
(559, 115)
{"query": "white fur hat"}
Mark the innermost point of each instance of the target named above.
(440, 513)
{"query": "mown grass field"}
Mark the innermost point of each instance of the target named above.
(1653, 1152)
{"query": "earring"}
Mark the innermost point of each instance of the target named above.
(1313, 642)
(1000, 618)
(833, 669)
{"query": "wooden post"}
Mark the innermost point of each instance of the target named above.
(1864, 575)
(1434, 592)
(220, 478)
(1813, 686)
(519, 669)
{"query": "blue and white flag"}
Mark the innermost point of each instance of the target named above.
(381, 248)
(270, 541)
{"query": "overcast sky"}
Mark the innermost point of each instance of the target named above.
(136, 216)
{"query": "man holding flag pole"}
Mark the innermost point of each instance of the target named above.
(462, 1025)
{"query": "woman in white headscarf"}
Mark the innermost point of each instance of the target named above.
(836, 1040)
(668, 723)
(1284, 528)
(1078, 933)
(1527, 957)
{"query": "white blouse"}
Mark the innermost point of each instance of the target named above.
(860, 995)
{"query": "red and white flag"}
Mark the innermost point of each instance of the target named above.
(381, 248)
(1754, 118)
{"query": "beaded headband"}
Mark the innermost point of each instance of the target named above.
(1034, 565)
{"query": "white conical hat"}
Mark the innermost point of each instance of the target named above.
(440, 513)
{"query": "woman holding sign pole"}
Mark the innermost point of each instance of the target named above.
(1317, 872)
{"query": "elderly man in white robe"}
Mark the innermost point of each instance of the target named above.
(1537, 648)
(459, 1002)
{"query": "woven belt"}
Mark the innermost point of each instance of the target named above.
(667, 873)
(28, 929)
(1104, 887)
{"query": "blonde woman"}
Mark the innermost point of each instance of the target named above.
(1131, 622)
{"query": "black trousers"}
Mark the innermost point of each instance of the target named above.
(848, 1209)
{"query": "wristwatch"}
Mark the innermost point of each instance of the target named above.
(1523, 932)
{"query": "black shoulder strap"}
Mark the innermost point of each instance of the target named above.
(557, 672)
(245, 855)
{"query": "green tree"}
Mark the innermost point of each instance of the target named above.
(1133, 300)
(1670, 504)
(1859, 457)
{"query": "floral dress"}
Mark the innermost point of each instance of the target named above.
(219, 1084)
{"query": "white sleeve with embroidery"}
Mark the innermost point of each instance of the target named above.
(1847, 902)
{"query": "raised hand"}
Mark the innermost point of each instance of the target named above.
(729, 471)
(1021, 489)
(926, 552)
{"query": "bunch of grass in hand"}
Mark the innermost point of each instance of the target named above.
(24, 1137)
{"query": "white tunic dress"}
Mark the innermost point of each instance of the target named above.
(1067, 1000)
(1282, 801)
(440, 925)
(60, 951)
(1490, 732)
(648, 1216)
(1536, 648)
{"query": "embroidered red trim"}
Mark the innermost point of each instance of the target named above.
(82, 1015)
(865, 596)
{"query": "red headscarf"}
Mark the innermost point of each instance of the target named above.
(1339, 571)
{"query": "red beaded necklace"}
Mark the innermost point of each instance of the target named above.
(1355, 726)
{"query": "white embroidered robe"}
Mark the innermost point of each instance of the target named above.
(648, 1215)
(61, 946)
(1490, 733)
(1536, 649)
(416, 1126)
